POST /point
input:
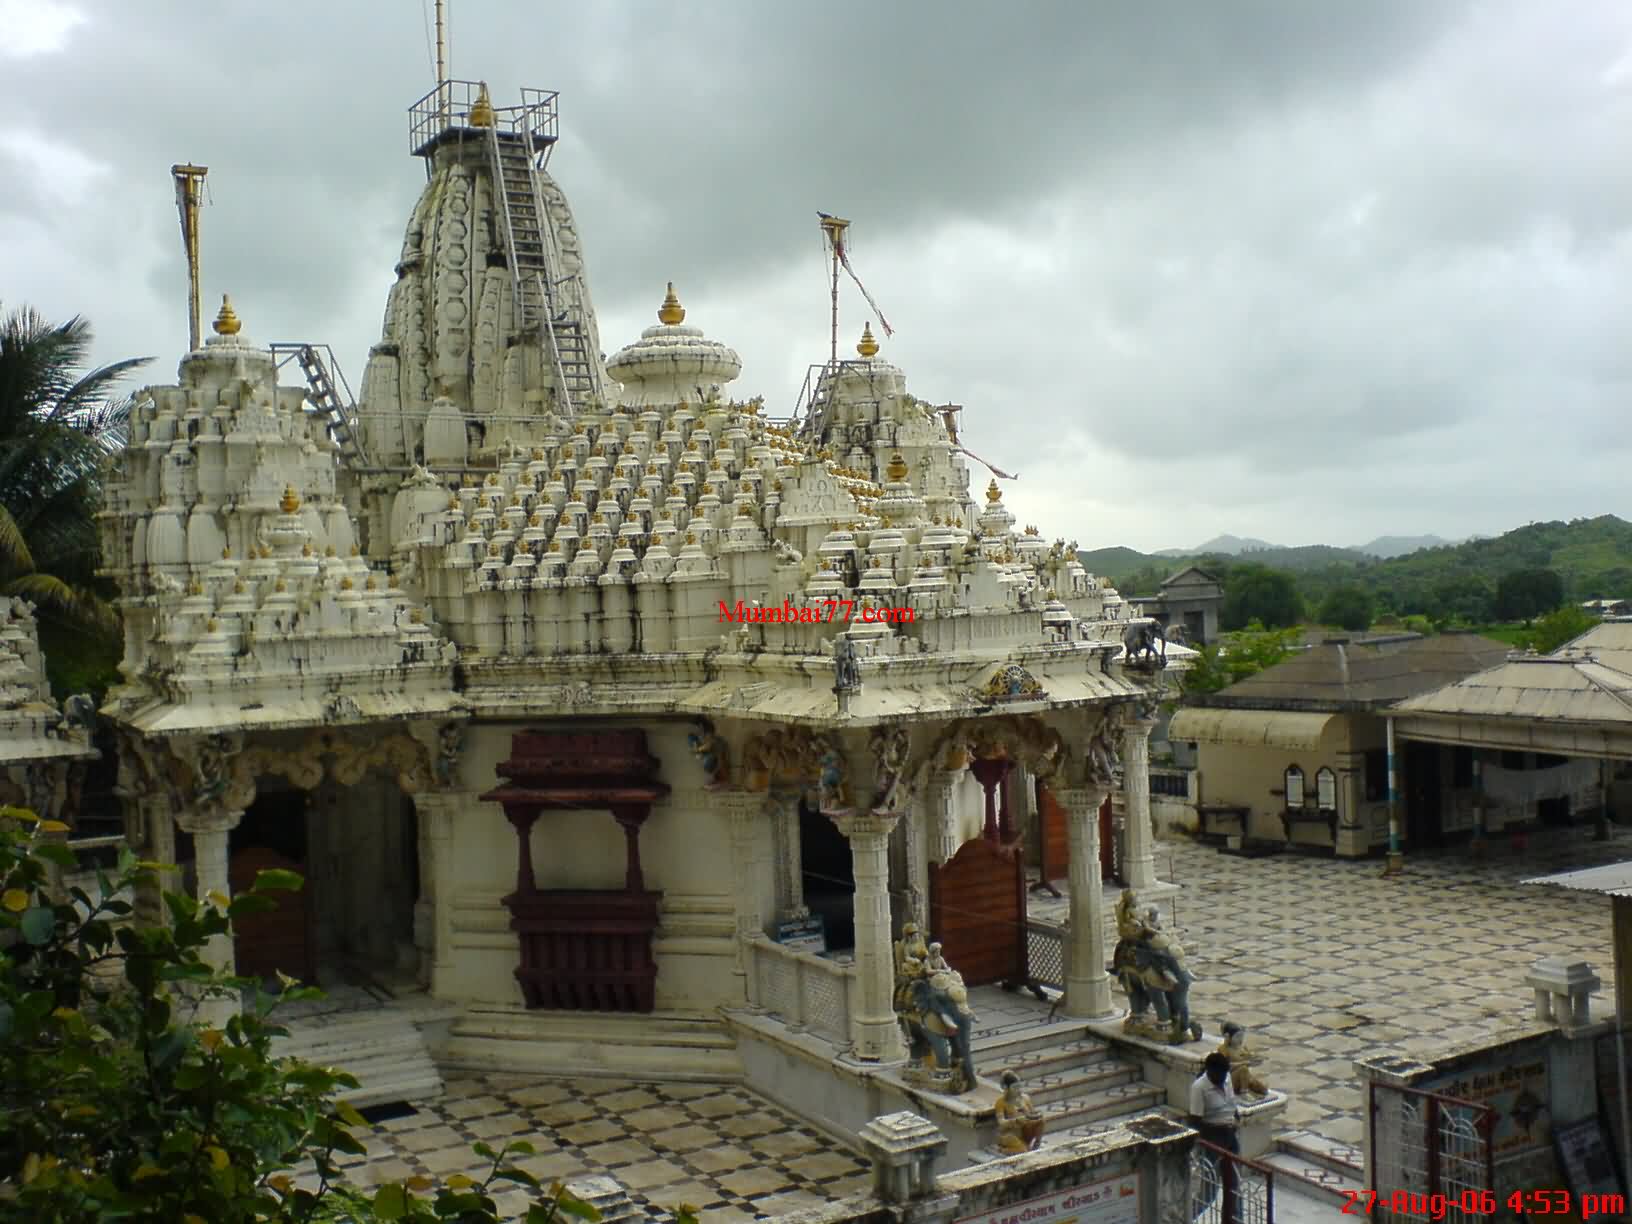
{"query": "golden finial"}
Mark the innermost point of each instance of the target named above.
(691, 537)
(867, 346)
(195, 587)
(226, 553)
(453, 502)
(238, 587)
(495, 549)
(492, 478)
(211, 625)
(532, 521)
(306, 549)
(291, 500)
(345, 584)
(671, 313)
(993, 493)
(355, 551)
(369, 584)
(417, 617)
(280, 586)
(897, 470)
(481, 111)
(330, 552)
(226, 323)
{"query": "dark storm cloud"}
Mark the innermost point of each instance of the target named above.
(1233, 251)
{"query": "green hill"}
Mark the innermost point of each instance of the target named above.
(1592, 556)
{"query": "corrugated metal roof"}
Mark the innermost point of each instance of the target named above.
(1367, 674)
(1615, 879)
(1610, 643)
(1579, 690)
(1250, 728)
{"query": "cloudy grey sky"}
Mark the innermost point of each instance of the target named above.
(1309, 271)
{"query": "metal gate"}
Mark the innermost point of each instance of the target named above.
(1427, 1147)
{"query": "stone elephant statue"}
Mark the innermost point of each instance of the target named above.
(940, 1027)
(1155, 980)
(1140, 641)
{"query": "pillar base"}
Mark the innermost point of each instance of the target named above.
(1089, 999)
(878, 1041)
(1394, 865)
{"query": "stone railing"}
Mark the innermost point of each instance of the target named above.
(805, 991)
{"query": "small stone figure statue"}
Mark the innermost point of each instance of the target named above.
(1235, 1048)
(1019, 1125)
(846, 672)
(712, 753)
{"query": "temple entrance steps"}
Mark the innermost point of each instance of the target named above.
(1076, 1081)
(654, 1045)
(1315, 1167)
(382, 1046)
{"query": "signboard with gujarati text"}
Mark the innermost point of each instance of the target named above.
(1108, 1202)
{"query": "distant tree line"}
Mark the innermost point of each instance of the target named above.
(1521, 576)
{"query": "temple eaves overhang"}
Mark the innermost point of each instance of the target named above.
(161, 718)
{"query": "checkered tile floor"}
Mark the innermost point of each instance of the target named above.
(1326, 962)
(724, 1150)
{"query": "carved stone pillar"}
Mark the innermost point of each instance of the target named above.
(872, 1022)
(435, 812)
(939, 794)
(790, 864)
(1139, 862)
(1087, 985)
(917, 818)
(746, 809)
(211, 828)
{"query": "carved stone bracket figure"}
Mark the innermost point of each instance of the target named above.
(450, 741)
(712, 752)
(1150, 966)
(889, 748)
(1102, 759)
(833, 783)
(1019, 1123)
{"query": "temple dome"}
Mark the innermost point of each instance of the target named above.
(672, 362)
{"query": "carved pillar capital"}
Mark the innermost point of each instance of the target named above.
(862, 826)
(1083, 800)
(203, 821)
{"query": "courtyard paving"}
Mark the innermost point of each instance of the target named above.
(1326, 961)
(720, 1148)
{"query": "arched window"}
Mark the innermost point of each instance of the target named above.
(1294, 787)
(1326, 789)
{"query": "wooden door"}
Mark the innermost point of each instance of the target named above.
(977, 910)
(279, 939)
(1056, 849)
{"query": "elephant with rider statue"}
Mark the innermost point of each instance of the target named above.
(932, 1004)
(1150, 966)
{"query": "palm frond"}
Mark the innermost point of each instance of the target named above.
(79, 604)
(14, 550)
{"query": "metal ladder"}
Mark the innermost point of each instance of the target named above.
(341, 414)
(530, 247)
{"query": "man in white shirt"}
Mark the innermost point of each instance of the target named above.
(1212, 1104)
(1214, 1115)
